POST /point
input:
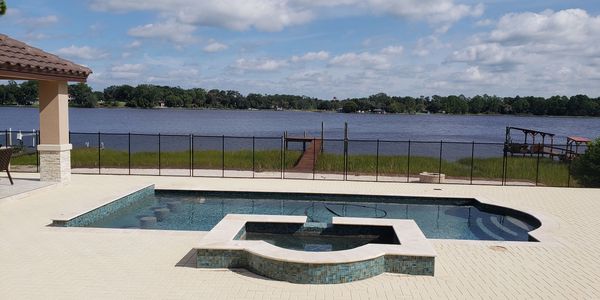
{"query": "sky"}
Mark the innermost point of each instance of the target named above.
(324, 48)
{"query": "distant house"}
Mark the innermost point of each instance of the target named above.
(378, 111)
(161, 104)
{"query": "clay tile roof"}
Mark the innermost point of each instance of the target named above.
(579, 139)
(17, 57)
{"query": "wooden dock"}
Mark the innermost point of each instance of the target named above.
(309, 157)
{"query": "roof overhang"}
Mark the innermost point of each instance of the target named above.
(20, 61)
(24, 75)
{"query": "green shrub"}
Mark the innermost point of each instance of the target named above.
(586, 168)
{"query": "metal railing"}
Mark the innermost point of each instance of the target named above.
(271, 157)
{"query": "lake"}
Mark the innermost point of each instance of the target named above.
(465, 128)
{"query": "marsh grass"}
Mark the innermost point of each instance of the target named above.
(551, 172)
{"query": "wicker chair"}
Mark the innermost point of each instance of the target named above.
(5, 155)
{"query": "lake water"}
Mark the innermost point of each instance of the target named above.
(273, 123)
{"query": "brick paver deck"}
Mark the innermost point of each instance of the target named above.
(40, 262)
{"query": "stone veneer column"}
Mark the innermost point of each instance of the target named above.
(54, 147)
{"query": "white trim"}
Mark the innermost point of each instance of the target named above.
(54, 147)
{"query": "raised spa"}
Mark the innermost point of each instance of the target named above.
(394, 246)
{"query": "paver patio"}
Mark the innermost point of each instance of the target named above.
(38, 261)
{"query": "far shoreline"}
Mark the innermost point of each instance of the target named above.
(296, 110)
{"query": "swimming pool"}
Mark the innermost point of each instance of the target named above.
(440, 218)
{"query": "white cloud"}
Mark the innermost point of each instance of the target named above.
(530, 38)
(473, 74)
(393, 50)
(441, 13)
(134, 44)
(266, 15)
(484, 22)
(311, 56)
(183, 73)
(492, 54)
(270, 64)
(364, 60)
(543, 53)
(128, 68)
(214, 46)
(170, 30)
(127, 71)
(29, 23)
(39, 21)
(264, 65)
(36, 36)
(275, 15)
(436, 11)
(84, 52)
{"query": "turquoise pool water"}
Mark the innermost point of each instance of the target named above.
(437, 217)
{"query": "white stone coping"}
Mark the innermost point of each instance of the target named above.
(78, 210)
(412, 240)
(54, 147)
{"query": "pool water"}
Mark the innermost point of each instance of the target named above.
(317, 243)
(317, 237)
(438, 218)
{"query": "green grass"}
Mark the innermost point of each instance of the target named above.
(264, 160)
(551, 173)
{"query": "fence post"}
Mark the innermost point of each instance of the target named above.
(505, 163)
(159, 150)
(285, 148)
(440, 166)
(192, 137)
(346, 151)
(569, 175)
(6, 137)
(99, 163)
(377, 163)
(281, 156)
(472, 161)
(223, 156)
(253, 156)
(537, 168)
(322, 136)
(314, 157)
(408, 164)
(129, 152)
(37, 153)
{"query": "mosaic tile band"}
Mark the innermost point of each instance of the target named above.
(106, 209)
(314, 273)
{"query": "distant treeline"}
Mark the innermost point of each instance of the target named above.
(148, 96)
